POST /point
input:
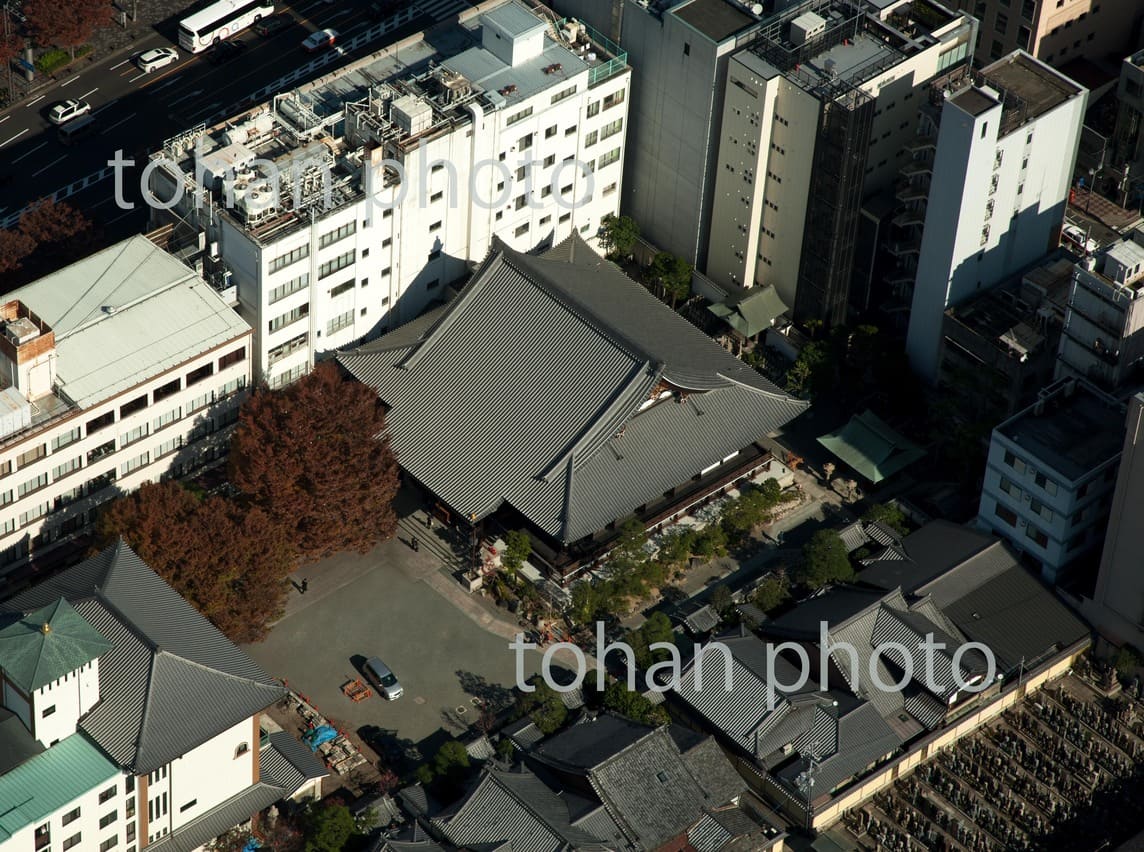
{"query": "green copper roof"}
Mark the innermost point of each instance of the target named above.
(48, 781)
(751, 314)
(871, 448)
(47, 644)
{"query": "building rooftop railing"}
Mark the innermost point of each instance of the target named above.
(603, 46)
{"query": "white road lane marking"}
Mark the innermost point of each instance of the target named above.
(112, 127)
(34, 150)
(5, 118)
(113, 67)
(49, 165)
(14, 138)
(36, 101)
(92, 92)
(69, 81)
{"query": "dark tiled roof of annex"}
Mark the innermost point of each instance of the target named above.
(171, 681)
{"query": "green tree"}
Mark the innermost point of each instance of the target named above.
(812, 372)
(544, 707)
(628, 548)
(517, 549)
(315, 457)
(673, 274)
(675, 548)
(1126, 661)
(326, 828)
(619, 699)
(656, 629)
(824, 560)
(711, 542)
(772, 592)
(888, 515)
(721, 600)
(618, 235)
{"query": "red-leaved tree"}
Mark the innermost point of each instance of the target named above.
(316, 457)
(14, 250)
(57, 24)
(230, 563)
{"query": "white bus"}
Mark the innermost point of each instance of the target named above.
(220, 20)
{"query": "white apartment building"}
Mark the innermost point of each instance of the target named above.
(1103, 335)
(815, 114)
(346, 207)
(990, 185)
(1050, 475)
(119, 369)
(128, 721)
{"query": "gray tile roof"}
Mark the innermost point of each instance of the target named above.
(222, 819)
(931, 552)
(515, 808)
(287, 763)
(171, 680)
(1017, 617)
(859, 738)
(556, 354)
(654, 782)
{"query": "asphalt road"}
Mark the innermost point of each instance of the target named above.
(136, 112)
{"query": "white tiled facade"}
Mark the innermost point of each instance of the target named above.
(55, 476)
(495, 166)
(996, 200)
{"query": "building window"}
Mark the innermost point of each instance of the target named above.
(1014, 462)
(129, 408)
(96, 453)
(614, 99)
(138, 433)
(69, 437)
(1007, 515)
(593, 109)
(28, 456)
(33, 484)
(563, 93)
(48, 711)
(199, 402)
(1045, 483)
(609, 158)
(521, 230)
(292, 286)
(300, 312)
(331, 266)
(331, 237)
(687, 48)
(108, 819)
(62, 470)
(290, 346)
(342, 288)
(518, 116)
(134, 464)
(107, 795)
(72, 841)
(591, 138)
(436, 226)
(1037, 536)
(200, 373)
(284, 260)
(612, 128)
(109, 843)
(242, 749)
(70, 817)
(339, 322)
(550, 132)
(232, 358)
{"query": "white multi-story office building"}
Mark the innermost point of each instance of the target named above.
(1050, 474)
(1103, 336)
(127, 721)
(992, 193)
(815, 113)
(121, 368)
(345, 208)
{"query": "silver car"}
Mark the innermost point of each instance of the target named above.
(67, 110)
(156, 58)
(385, 680)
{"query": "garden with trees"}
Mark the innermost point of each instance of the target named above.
(312, 474)
(50, 235)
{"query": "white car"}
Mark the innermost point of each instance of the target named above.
(320, 39)
(156, 58)
(67, 110)
(1074, 235)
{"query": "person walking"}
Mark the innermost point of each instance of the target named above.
(415, 544)
(305, 587)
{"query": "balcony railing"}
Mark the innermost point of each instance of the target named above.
(601, 46)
